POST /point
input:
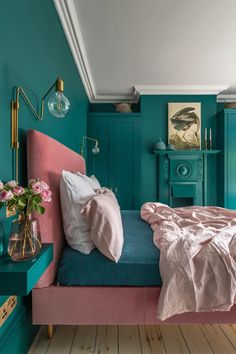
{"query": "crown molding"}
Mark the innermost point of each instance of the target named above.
(226, 98)
(71, 27)
(133, 98)
(70, 23)
(180, 89)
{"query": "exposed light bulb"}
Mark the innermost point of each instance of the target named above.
(95, 150)
(58, 104)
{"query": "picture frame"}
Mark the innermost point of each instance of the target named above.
(184, 125)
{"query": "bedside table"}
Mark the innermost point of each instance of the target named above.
(18, 278)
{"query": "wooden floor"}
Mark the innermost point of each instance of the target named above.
(207, 339)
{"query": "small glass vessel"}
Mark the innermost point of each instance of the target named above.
(160, 145)
(25, 240)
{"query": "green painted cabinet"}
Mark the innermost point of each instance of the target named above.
(117, 166)
(227, 159)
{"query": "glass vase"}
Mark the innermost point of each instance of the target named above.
(25, 240)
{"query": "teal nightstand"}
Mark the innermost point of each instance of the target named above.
(18, 278)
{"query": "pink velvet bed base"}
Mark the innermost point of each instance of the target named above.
(87, 305)
(110, 305)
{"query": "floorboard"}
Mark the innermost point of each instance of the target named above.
(84, 340)
(151, 340)
(129, 342)
(217, 340)
(195, 340)
(173, 340)
(62, 340)
(230, 332)
(41, 342)
(165, 339)
(107, 340)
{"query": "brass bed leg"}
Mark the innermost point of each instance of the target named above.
(50, 331)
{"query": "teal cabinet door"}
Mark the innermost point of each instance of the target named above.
(127, 162)
(227, 161)
(231, 160)
(117, 166)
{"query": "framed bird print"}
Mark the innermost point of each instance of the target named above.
(184, 125)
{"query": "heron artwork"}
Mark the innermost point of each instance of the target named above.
(184, 126)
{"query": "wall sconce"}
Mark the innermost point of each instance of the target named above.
(58, 105)
(95, 149)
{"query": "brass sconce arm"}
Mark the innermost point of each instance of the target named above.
(59, 86)
(20, 91)
(95, 149)
(15, 105)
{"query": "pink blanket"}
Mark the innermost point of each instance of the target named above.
(198, 257)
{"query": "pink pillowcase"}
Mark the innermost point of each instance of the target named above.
(108, 193)
(103, 214)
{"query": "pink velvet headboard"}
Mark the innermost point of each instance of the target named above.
(46, 159)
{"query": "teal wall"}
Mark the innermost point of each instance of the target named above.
(154, 110)
(33, 53)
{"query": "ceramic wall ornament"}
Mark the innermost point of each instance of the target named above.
(184, 125)
(160, 145)
(123, 107)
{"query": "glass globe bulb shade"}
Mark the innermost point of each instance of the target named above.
(58, 104)
(95, 150)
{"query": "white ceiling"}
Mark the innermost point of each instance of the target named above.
(163, 43)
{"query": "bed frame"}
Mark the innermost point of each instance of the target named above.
(53, 304)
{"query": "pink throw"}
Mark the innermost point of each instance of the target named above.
(197, 257)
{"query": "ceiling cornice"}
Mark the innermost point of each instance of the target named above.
(226, 98)
(70, 24)
(180, 90)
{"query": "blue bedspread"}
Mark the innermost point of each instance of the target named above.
(138, 265)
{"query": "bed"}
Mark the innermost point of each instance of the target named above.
(94, 302)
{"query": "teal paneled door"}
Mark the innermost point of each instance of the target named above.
(127, 161)
(117, 166)
(227, 162)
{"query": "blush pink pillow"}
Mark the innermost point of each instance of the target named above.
(106, 230)
(108, 193)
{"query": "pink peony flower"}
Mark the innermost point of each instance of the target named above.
(18, 190)
(36, 188)
(12, 184)
(46, 195)
(5, 196)
(1, 185)
(44, 186)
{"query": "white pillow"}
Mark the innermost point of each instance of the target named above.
(74, 193)
(92, 181)
(79, 189)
